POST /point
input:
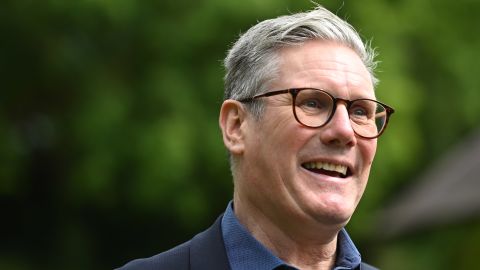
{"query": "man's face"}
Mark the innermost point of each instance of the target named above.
(278, 150)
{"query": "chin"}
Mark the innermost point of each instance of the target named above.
(334, 213)
(334, 219)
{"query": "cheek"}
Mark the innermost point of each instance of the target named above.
(368, 149)
(365, 152)
(286, 136)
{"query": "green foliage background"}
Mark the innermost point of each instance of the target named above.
(109, 143)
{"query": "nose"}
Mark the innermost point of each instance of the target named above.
(339, 130)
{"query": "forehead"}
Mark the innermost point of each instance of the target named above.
(327, 65)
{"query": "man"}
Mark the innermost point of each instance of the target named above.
(300, 121)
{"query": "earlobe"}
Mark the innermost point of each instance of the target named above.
(231, 119)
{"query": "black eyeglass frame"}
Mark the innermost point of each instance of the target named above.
(294, 92)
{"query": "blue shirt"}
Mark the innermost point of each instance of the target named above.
(244, 252)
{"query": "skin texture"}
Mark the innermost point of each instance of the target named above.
(294, 212)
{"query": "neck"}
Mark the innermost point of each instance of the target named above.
(300, 245)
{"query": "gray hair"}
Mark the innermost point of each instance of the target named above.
(253, 60)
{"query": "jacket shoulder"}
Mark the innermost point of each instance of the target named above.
(205, 251)
(175, 258)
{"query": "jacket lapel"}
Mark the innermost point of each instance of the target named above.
(207, 250)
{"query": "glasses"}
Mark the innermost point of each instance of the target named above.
(314, 108)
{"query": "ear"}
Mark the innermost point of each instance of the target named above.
(231, 120)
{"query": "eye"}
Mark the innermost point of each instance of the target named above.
(363, 109)
(358, 111)
(312, 103)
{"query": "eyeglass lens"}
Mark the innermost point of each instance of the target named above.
(314, 108)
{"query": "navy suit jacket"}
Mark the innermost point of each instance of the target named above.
(205, 251)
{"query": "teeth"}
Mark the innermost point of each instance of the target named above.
(327, 166)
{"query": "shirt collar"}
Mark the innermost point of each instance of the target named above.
(348, 256)
(244, 252)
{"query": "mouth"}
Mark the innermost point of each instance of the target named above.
(328, 168)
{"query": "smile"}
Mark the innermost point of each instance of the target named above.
(331, 169)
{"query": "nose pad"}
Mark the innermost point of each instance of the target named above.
(339, 130)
